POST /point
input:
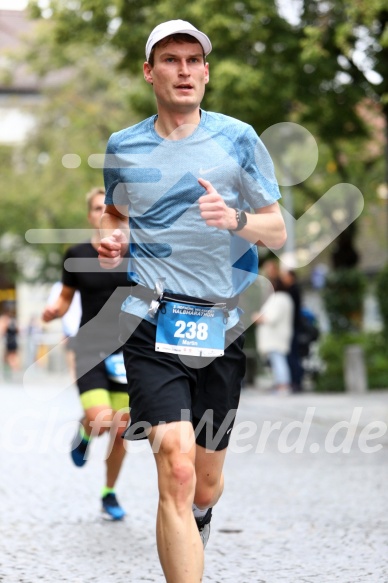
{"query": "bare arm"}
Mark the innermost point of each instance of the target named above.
(265, 227)
(4, 320)
(60, 306)
(114, 236)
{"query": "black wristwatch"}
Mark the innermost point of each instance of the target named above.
(241, 218)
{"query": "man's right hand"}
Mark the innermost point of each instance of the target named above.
(111, 249)
(50, 313)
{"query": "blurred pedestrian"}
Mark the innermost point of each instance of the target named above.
(274, 271)
(33, 339)
(10, 332)
(271, 270)
(99, 366)
(295, 362)
(274, 334)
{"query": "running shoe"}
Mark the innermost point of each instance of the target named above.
(78, 450)
(203, 525)
(111, 509)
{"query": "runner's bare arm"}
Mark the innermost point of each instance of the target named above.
(114, 236)
(265, 227)
(60, 306)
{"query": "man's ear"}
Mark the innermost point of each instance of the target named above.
(147, 70)
(207, 74)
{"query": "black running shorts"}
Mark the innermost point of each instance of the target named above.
(95, 377)
(166, 387)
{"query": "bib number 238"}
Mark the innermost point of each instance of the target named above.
(191, 330)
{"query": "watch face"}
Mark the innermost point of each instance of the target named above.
(241, 219)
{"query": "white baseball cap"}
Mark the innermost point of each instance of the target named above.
(174, 27)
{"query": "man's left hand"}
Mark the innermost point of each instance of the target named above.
(213, 208)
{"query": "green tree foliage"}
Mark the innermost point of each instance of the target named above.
(250, 40)
(77, 115)
(382, 297)
(264, 68)
(332, 350)
(343, 296)
(344, 62)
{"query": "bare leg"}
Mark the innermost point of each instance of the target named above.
(70, 362)
(97, 421)
(179, 545)
(210, 479)
(116, 449)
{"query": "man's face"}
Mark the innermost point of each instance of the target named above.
(97, 207)
(179, 76)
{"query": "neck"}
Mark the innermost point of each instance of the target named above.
(176, 126)
(95, 240)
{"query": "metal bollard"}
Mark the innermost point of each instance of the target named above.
(355, 376)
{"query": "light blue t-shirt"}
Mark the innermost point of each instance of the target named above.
(158, 179)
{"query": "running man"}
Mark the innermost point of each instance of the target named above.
(102, 385)
(200, 194)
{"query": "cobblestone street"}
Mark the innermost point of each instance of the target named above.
(305, 499)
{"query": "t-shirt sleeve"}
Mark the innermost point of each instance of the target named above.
(258, 183)
(115, 191)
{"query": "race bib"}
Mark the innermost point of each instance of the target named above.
(190, 330)
(115, 368)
